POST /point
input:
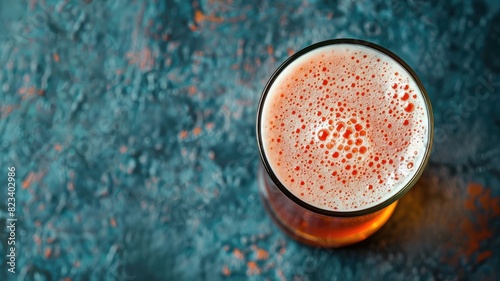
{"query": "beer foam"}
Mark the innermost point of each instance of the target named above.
(344, 127)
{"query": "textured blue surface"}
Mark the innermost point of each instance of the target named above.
(131, 126)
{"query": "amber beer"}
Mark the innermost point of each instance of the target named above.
(344, 129)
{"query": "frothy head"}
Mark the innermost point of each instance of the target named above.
(344, 127)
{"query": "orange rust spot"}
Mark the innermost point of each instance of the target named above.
(290, 51)
(196, 131)
(474, 189)
(123, 149)
(146, 61)
(193, 27)
(71, 186)
(226, 271)
(183, 134)
(474, 236)
(48, 252)
(112, 221)
(57, 147)
(27, 92)
(210, 125)
(238, 254)
(492, 205)
(211, 155)
(483, 256)
(29, 179)
(143, 58)
(5, 110)
(469, 205)
(262, 254)
(488, 206)
(56, 57)
(199, 17)
(270, 49)
(192, 90)
(252, 268)
(481, 208)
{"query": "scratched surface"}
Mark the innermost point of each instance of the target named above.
(131, 126)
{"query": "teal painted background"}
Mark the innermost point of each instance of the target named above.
(131, 126)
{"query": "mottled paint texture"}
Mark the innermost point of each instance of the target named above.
(132, 128)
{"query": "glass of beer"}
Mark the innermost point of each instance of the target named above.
(344, 129)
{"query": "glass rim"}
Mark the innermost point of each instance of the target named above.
(382, 204)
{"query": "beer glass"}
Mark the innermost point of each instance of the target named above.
(313, 224)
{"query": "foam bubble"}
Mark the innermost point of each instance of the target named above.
(344, 127)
